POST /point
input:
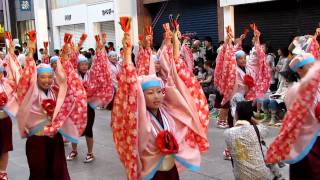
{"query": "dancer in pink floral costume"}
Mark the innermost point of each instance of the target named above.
(99, 89)
(156, 127)
(47, 114)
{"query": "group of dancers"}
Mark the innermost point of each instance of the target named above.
(160, 115)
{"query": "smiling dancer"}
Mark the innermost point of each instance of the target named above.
(45, 115)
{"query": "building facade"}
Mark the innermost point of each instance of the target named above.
(278, 20)
(92, 17)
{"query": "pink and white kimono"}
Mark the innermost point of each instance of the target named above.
(300, 128)
(232, 83)
(13, 67)
(187, 56)
(135, 129)
(114, 70)
(97, 81)
(68, 118)
(143, 60)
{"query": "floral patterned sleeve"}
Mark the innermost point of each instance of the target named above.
(100, 85)
(27, 76)
(124, 119)
(190, 80)
(263, 75)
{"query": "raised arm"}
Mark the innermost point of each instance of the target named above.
(124, 120)
(29, 72)
(99, 84)
(194, 90)
(259, 67)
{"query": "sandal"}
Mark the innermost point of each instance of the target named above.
(89, 158)
(4, 176)
(72, 155)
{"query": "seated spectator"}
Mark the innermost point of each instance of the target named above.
(273, 104)
(243, 142)
(207, 82)
(200, 72)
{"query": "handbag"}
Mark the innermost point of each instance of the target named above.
(272, 167)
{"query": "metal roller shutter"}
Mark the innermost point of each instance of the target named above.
(75, 29)
(196, 16)
(108, 27)
(278, 21)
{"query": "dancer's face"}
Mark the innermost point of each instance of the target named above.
(113, 59)
(241, 61)
(153, 97)
(83, 67)
(45, 80)
(54, 66)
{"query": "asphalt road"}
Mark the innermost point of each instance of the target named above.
(107, 165)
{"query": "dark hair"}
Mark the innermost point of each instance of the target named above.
(57, 51)
(290, 76)
(16, 52)
(268, 47)
(92, 51)
(221, 42)
(25, 43)
(87, 55)
(110, 44)
(19, 49)
(41, 49)
(284, 51)
(208, 38)
(244, 111)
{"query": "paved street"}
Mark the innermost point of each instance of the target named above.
(107, 165)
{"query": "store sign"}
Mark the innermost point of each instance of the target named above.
(107, 12)
(67, 17)
(25, 5)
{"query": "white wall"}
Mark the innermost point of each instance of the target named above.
(97, 13)
(228, 18)
(60, 17)
(92, 14)
(41, 22)
(126, 8)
